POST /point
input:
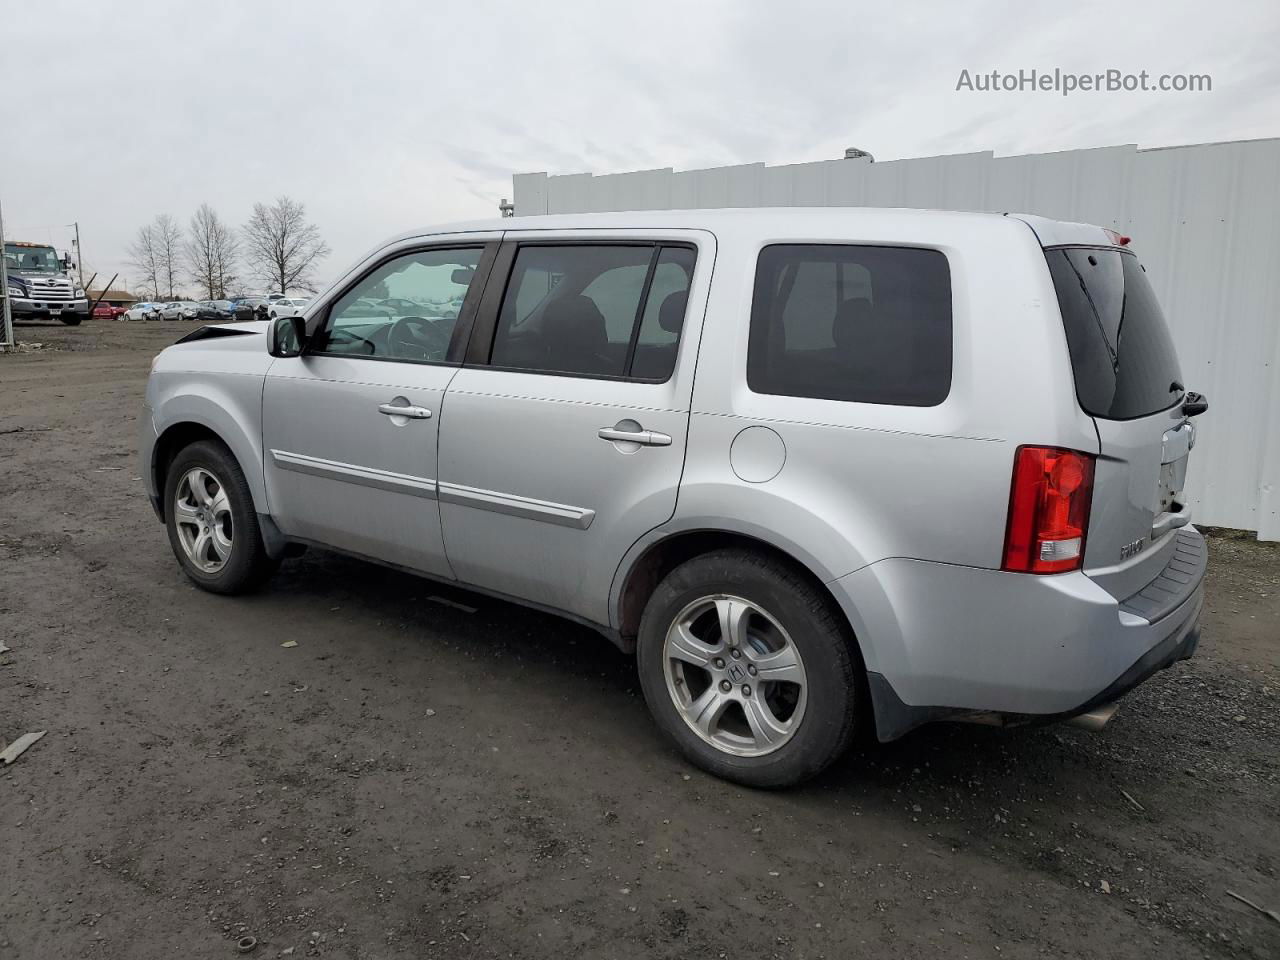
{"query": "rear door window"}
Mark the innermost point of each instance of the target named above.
(599, 310)
(855, 323)
(659, 336)
(1122, 356)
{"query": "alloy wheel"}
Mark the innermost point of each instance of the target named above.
(202, 517)
(735, 675)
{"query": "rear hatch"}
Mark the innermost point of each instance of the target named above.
(1127, 379)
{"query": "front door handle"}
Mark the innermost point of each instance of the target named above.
(646, 438)
(396, 410)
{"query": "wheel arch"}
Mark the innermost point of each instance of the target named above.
(167, 446)
(651, 559)
(203, 419)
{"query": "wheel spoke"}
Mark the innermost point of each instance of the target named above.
(220, 542)
(185, 513)
(706, 711)
(195, 484)
(765, 727)
(200, 549)
(733, 615)
(781, 666)
(683, 645)
(219, 503)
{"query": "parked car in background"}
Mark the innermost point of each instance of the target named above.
(931, 465)
(288, 307)
(250, 308)
(105, 311)
(178, 310)
(214, 310)
(399, 307)
(370, 307)
(143, 311)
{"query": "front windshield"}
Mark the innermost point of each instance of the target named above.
(32, 259)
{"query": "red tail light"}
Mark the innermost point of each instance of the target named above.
(1048, 510)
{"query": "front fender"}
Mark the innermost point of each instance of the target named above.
(228, 405)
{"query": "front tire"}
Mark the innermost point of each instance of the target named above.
(212, 524)
(749, 668)
(71, 320)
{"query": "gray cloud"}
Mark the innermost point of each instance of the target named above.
(382, 116)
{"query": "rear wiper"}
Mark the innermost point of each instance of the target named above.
(1194, 405)
(1112, 353)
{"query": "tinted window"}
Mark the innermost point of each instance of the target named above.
(664, 310)
(855, 323)
(405, 309)
(1121, 352)
(593, 309)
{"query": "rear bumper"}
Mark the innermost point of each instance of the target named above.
(949, 642)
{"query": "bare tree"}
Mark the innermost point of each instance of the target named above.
(210, 251)
(167, 237)
(226, 262)
(142, 256)
(282, 247)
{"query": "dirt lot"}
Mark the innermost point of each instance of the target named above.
(416, 780)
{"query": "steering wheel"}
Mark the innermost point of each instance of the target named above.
(417, 338)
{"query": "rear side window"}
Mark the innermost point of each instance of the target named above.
(1122, 356)
(597, 310)
(855, 323)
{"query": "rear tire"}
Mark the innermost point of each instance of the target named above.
(212, 524)
(741, 726)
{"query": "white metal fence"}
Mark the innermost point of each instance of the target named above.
(1205, 219)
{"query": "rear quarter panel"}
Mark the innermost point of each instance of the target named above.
(862, 482)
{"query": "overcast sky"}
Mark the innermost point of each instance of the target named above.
(383, 116)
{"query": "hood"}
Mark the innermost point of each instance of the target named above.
(220, 331)
(231, 348)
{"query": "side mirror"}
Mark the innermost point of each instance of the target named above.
(287, 337)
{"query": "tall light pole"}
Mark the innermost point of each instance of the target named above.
(79, 253)
(7, 343)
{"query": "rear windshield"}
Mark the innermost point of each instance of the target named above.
(1121, 352)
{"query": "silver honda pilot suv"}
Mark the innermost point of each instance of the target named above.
(822, 470)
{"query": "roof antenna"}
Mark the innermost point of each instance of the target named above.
(506, 207)
(853, 153)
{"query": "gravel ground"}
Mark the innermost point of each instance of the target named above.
(429, 773)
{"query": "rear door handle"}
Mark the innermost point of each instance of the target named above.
(396, 410)
(646, 438)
